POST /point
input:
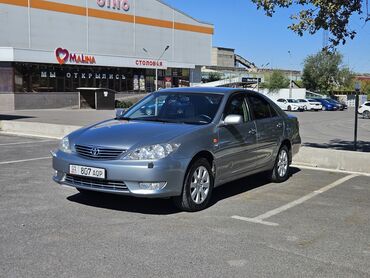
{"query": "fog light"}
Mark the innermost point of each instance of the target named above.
(152, 185)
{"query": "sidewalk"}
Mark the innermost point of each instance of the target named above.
(73, 117)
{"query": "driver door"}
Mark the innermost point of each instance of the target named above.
(237, 143)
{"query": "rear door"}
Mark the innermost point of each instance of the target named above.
(236, 148)
(270, 128)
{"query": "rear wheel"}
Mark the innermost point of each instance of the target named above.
(280, 172)
(289, 108)
(198, 187)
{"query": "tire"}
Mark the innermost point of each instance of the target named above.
(366, 114)
(192, 198)
(289, 108)
(278, 174)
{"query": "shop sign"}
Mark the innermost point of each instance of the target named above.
(64, 56)
(114, 4)
(84, 75)
(149, 63)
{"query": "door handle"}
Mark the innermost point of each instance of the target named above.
(252, 131)
(279, 125)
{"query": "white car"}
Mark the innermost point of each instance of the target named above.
(288, 105)
(364, 110)
(310, 104)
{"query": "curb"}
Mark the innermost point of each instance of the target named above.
(34, 129)
(348, 161)
(345, 161)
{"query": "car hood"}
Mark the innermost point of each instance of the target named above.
(128, 134)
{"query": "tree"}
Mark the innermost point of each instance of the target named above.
(214, 76)
(276, 81)
(316, 15)
(324, 72)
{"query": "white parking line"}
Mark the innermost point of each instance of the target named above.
(329, 170)
(24, 160)
(260, 219)
(27, 142)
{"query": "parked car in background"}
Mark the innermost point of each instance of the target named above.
(310, 104)
(364, 110)
(326, 105)
(285, 105)
(339, 105)
(196, 139)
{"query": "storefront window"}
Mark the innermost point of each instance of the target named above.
(67, 78)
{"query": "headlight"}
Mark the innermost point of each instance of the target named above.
(153, 152)
(64, 145)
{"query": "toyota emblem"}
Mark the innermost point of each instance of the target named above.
(95, 151)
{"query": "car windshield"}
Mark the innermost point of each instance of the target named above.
(186, 108)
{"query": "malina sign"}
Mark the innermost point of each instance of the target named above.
(64, 56)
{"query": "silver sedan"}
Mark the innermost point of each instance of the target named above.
(180, 143)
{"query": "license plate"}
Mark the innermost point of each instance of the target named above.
(85, 171)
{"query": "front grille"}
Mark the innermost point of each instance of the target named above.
(93, 152)
(96, 183)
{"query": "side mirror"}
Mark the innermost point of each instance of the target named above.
(233, 120)
(120, 112)
(285, 102)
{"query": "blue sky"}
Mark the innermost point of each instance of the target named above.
(263, 40)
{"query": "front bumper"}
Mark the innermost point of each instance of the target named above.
(123, 177)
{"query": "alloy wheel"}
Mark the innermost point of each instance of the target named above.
(200, 185)
(282, 166)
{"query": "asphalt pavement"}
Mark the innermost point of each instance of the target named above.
(314, 225)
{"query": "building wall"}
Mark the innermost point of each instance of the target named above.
(70, 24)
(223, 57)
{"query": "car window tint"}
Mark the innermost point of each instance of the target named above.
(261, 109)
(367, 104)
(237, 106)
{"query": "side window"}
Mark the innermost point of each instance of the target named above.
(261, 109)
(280, 100)
(237, 106)
(367, 104)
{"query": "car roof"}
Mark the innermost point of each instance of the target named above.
(212, 90)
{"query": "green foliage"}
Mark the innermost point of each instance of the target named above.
(123, 104)
(316, 15)
(214, 76)
(324, 72)
(365, 88)
(277, 80)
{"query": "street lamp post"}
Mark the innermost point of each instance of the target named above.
(156, 65)
(291, 77)
(357, 89)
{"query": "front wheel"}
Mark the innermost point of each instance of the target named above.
(198, 187)
(280, 172)
(366, 114)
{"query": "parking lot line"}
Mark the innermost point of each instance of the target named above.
(24, 160)
(260, 219)
(27, 142)
(329, 170)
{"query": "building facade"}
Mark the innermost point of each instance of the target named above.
(56, 46)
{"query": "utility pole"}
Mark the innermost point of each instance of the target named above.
(357, 90)
(156, 65)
